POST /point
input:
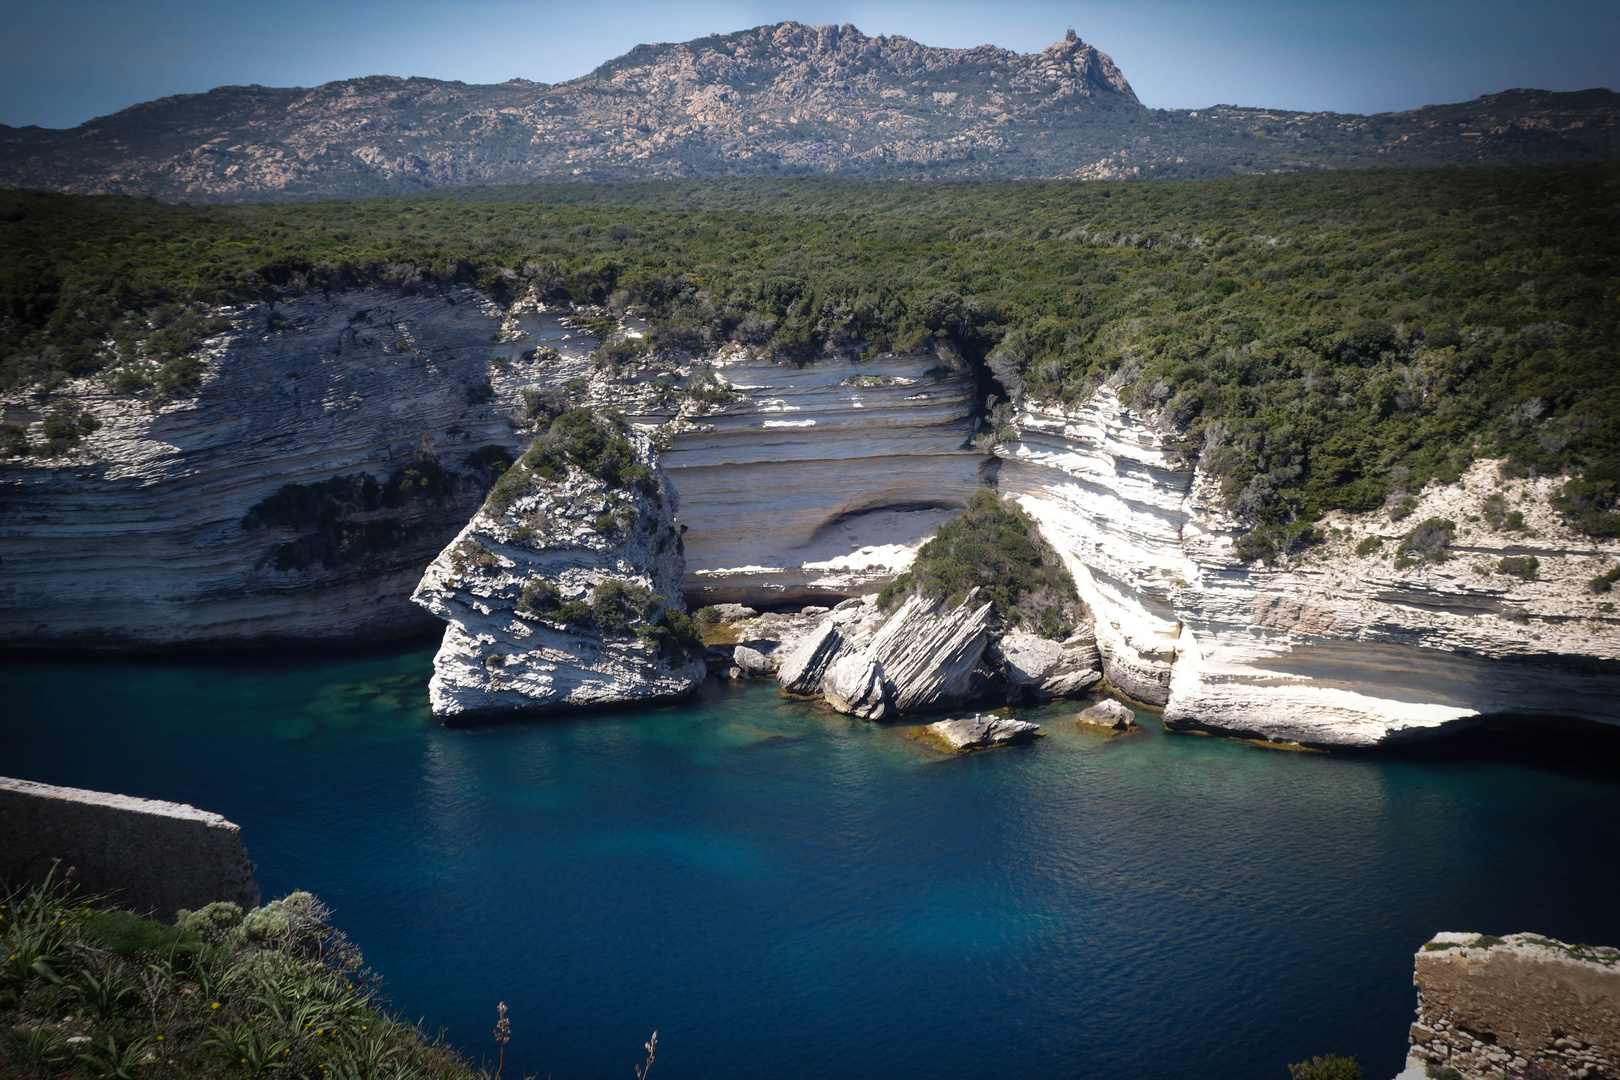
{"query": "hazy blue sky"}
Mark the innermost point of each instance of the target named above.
(65, 61)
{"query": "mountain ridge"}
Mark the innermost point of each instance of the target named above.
(779, 100)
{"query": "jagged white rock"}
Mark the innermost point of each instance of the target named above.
(141, 537)
(930, 658)
(855, 684)
(498, 659)
(1037, 667)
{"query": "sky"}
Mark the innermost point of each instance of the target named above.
(66, 61)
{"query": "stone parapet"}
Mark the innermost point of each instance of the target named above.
(154, 857)
(1518, 1006)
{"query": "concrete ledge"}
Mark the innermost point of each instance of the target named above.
(155, 857)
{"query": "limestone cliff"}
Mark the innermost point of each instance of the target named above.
(335, 444)
(564, 589)
(821, 481)
(1329, 647)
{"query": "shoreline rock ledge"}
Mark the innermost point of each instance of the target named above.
(564, 589)
(980, 732)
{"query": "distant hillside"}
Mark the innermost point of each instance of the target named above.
(776, 100)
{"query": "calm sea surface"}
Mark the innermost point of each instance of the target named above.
(783, 892)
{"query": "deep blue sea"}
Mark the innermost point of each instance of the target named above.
(783, 892)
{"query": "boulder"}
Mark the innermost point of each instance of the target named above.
(1108, 714)
(734, 612)
(980, 732)
(1038, 668)
(752, 661)
(806, 665)
(855, 685)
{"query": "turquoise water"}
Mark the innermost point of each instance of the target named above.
(783, 892)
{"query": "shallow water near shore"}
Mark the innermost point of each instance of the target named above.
(784, 892)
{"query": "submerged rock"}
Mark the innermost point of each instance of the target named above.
(564, 589)
(1108, 714)
(980, 732)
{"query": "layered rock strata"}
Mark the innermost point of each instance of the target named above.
(821, 480)
(146, 854)
(331, 450)
(1342, 645)
(1521, 1005)
(922, 657)
(559, 593)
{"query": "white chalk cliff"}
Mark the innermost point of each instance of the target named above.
(331, 453)
(1326, 648)
(822, 482)
(145, 535)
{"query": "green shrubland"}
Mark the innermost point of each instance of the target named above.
(1315, 341)
(996, 548)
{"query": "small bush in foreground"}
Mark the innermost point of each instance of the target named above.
(1326, 1067)
(222, 994)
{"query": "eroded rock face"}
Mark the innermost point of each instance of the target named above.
(1489, 1006)
(324, 461)
(824, 479)
(982, 732)
(855, 684)
(1329, 647)
(504, 586)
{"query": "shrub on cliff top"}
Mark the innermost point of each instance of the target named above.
(996, 548)
(593, 442)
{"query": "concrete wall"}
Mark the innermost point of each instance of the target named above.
(1488, 1006)
(154, 857)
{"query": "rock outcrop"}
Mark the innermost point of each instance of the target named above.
(1521, 1005)
(334, 446)
(980, 732)
(1339, 645)
(147, 854)
(1037, 668)
(562, 591)
(780, 100)
(920, 658)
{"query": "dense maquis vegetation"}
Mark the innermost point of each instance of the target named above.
(996, 548)
(86, 991)
(1318, 341)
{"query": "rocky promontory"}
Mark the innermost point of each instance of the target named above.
(565, 588)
